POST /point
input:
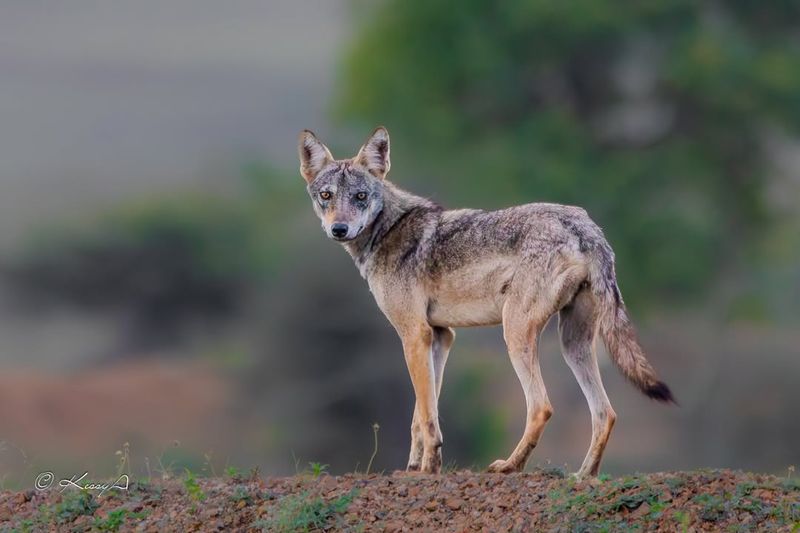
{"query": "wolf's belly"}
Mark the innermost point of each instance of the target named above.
(461, 313)
(472, 295)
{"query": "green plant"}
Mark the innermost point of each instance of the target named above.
(73, 505)
(193, 487)
(26, 526)
(317, 469)
(232, 472)
(114, 519)
(790, 483)
(305, 512)
(240, 494)
(675, 484)
(632, 500)
(656, 510)
(684, 520)
(713, 507)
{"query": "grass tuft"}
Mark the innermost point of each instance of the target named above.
(304, 512)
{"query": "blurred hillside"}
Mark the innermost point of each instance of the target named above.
(100, 102)
(182, 242)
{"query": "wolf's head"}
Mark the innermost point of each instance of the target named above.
(346, 194)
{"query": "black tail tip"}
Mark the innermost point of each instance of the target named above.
(660, 392)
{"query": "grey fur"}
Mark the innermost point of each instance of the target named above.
(432, 269)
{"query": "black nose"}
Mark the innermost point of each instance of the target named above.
(339, 230)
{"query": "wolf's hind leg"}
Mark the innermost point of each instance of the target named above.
(577, 326)
(521, 331)
(440, 348)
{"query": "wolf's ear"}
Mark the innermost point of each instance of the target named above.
(374, 155)
(313, 155)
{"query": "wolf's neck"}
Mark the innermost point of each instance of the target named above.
(397, 204)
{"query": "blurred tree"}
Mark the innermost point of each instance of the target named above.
(650, 114)
(157, 264)
(160, 264)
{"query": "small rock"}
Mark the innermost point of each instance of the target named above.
(328, 482)
(415, 518)
(763, 494)
(211, 513)
(454, 504)
(641, 510)
(393, 527)
(432, 505)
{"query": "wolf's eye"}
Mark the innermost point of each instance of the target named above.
(361, 196)
(325, 195)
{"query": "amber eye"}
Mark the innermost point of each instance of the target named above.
(361, 196)
(325, 195)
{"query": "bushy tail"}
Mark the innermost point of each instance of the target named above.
(619, 334)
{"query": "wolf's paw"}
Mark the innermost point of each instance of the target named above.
(502, 466)
(432, 462)
(412, 467)
(582, 475)
(431, 467)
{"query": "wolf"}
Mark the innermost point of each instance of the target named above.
(432, 270)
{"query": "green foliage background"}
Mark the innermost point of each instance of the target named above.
(502, 102)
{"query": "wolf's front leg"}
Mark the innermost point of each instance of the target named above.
(440, 348)
(417, 341)
(415, 455)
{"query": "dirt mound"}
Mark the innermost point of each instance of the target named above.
(460, 501)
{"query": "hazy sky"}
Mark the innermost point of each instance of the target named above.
(102, 99)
